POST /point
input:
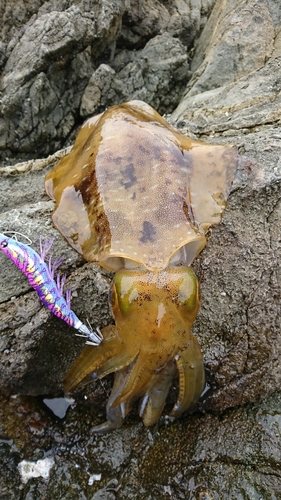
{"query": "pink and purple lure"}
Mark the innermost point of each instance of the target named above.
(41, 277)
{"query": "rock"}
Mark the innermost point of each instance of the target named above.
(252, 101)
(143, 20)
(235, 455)
(29, 333)
(97, 90)
(239, 320)
(228, 50)
(47, 71)
(58, 57)
(230, 447)
(243, 260)
(150, 76)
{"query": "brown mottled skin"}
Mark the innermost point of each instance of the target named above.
(137, 196)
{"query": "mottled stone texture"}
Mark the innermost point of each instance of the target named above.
(228, 72)
(63, 60)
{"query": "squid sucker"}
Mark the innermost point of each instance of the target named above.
(137, 196)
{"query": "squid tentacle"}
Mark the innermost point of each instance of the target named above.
(190, 366)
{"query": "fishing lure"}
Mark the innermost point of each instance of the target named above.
(41, 277)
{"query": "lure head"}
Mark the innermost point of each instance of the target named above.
(4, 243)
(13, 249)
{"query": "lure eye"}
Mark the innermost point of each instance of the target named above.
(4, 243)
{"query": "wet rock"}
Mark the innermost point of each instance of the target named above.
(231, 456)
(235, 455)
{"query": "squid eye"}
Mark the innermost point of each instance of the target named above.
(112, 297)
(187, 299)
(4, 243)
(188, 294)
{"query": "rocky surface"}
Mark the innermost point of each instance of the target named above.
(229, 448)
(149, 75)
(235, 455)
(228, 50)
(57, 56)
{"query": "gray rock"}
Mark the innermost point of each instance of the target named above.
(54, 56)
(234, 43)
(47, 71)
(252, 101)
(218, 453)
(144, 20)
(27, 210)
(97, 90)
(243, 262)
(150, 76)
(239, 320)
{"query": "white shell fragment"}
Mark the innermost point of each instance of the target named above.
(93, 478)
(41, 468)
